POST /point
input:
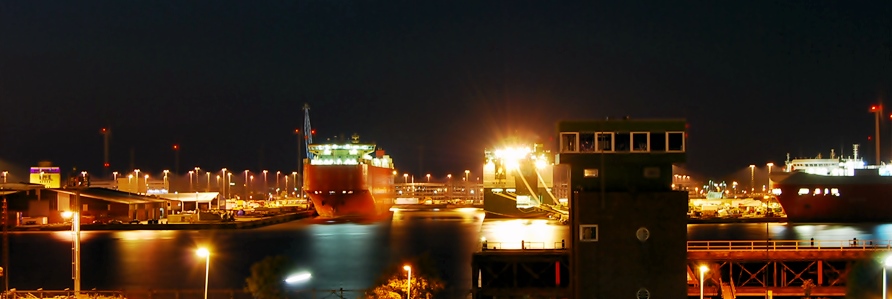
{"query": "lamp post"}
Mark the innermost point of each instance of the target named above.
(190, 180)
(197, 174)
(207, 188)
(277, 181)
(147, 183)
(137, 180)
(877, 110)
(203, 252)
(294, 176)
(75, 245)
(165, 178)
(752, 178)
(703, 270)
(286, 186)
(408, 282)
(886, 264)
(265, 186)
(769, 175)
(5, 173)
(246, 185)
(115, 179)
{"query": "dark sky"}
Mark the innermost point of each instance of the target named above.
(432, 82)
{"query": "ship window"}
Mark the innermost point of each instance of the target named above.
(588, 232)
(826, 191)
(658, 142)
(676, 141)
(605, 142)
(817, 191)
(834, 191)
(568, 142)
(587, 142)
(623, 142)
(639, 142)
(803, 191)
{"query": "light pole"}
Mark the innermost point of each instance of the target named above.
(428, 177)
(769, 175)
(203, 252)
(137, 180)
(224, 183)
(409, 282)
(286, 186)
(190, 180)
(405, 178)
(265, 186)
(197, 174)
(5, 173)
(147, 184)
(294, 176)
(75, 245)
(165, 178)
(877, 110)
(246, 185)
(114, 178)
(251, 188)
(207, 188)
(703, 270)
(886, 264)
(752, 179)
(277, 182)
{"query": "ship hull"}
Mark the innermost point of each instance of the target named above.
(837, 199)
(362, 190)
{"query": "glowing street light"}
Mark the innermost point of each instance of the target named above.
(277, 180)
(886, 264)
(769, 174)
(265, 186)
(203, 252)
(405, 178)
(428, 177)
(703, 270)
(190, 180)
(165, 178)
(5, 173)
(294, 176)
(752, 178)
(409, 281)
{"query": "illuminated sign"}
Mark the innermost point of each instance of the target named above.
(49, 177)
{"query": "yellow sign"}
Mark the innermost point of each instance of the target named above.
(49, 177)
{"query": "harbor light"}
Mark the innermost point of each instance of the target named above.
(703, 270)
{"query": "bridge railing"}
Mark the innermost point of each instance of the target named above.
(791, 245)
(523, 245)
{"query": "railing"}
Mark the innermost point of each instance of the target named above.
(523, 245)
(174, 294)
(790, 245)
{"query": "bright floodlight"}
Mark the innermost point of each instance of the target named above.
(203, 252)
(888, 261)
(407, 267)
(299, 277)
(704, 268)
(67, 214)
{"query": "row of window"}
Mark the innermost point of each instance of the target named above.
(595, 142)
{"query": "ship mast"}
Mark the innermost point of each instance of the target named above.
(308, 139)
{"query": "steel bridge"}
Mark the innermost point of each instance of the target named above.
(783, 268)
(739, 268)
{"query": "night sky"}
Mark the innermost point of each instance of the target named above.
(432, 82)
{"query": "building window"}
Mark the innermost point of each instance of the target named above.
(675, 141)
(588, 232)
(587, 142)
(590, 172)
(640, 141)
(622, 142)
(568, 142)
(658, 142)
(605, 142)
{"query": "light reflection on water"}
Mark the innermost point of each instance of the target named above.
(339, 255)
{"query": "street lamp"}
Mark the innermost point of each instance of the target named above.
(752, 178)
(203, 252)
(165, 178)
(277, 181)
(190, 180)
(207, 188)
(294, 176)
(197, 173)
(703, 270)
(265, 188)
(408, 282)
(114, 178)
(428, 177)
(769, 175)
(5, 173)
(886, 264)
(405, 178)
(75, 246)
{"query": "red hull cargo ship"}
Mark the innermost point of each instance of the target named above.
(349, 180)
(837, 190)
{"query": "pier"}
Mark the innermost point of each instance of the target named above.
(738, 268)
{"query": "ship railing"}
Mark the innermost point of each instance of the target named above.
(791, 245)
(523, 245)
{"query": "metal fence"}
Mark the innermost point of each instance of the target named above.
(176, 294)
(790, 245)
